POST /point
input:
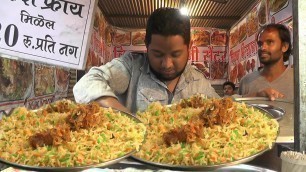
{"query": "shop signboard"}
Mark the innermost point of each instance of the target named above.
(55, 32)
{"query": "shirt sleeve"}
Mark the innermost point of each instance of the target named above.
(200, 82)
(211, 92)
(110, 79)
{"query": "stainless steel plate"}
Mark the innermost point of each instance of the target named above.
(218, 167)
(130, 164)
(286, 123)
(199, 168)
(276, 112)
(76, 168)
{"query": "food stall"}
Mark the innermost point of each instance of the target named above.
(220, 53)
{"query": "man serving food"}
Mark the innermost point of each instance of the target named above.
(133, 81)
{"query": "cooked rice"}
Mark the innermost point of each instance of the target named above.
(118, 136)
(250, 133)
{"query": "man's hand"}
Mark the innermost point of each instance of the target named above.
(112, 102)
(270, 93)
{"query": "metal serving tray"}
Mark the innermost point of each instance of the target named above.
(130, 164)
(222, 167)
(199, 168)
(276, 112)
(286, 122)
(76, 168)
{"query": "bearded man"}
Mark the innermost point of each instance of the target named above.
(133, 81)
(275, 79)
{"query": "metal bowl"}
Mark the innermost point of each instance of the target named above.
(76, 168)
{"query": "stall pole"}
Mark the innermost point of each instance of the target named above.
(299, 61)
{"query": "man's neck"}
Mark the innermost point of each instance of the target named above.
(172, 84)
(273, 72)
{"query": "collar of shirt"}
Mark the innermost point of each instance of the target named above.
(186, 77)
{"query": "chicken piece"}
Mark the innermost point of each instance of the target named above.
(84, 116)
(174, 136)
(59, 106)
(194, 102)
(41, 139)
(187, 133)
(220, 112)
(54, 136)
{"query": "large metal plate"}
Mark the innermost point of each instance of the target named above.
(276, 112)
(199, 168)
(79, 168)
(286, 123)
(223, 167)
(76, 168)
(129, 165)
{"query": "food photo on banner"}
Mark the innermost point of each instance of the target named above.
(62, 79)
(122, 38)
(16, 78)
(200, 37)
(44, 80)
(138, 38)
(218, 37)
(208, 53)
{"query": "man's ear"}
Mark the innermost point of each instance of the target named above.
(285, 47)
(189, 47)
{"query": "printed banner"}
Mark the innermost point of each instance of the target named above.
(54, 32)
(100, 45)
(208, 53)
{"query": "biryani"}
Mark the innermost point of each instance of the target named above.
(202, 132)
(66, 134)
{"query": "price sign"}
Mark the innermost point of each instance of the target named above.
(56, 32)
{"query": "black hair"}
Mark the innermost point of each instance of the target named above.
(168, 22)
(284, 35)
(230, 84)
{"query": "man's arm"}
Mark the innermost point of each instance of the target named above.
(272, 94)
(245, 85)
(108, 80)
(112, 102)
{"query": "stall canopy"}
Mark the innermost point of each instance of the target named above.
(209, 13)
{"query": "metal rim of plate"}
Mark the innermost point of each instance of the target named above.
(210, 167)
(276, 112)
(241, 99)
(270, 108)
(77, 168)
(200, 167)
